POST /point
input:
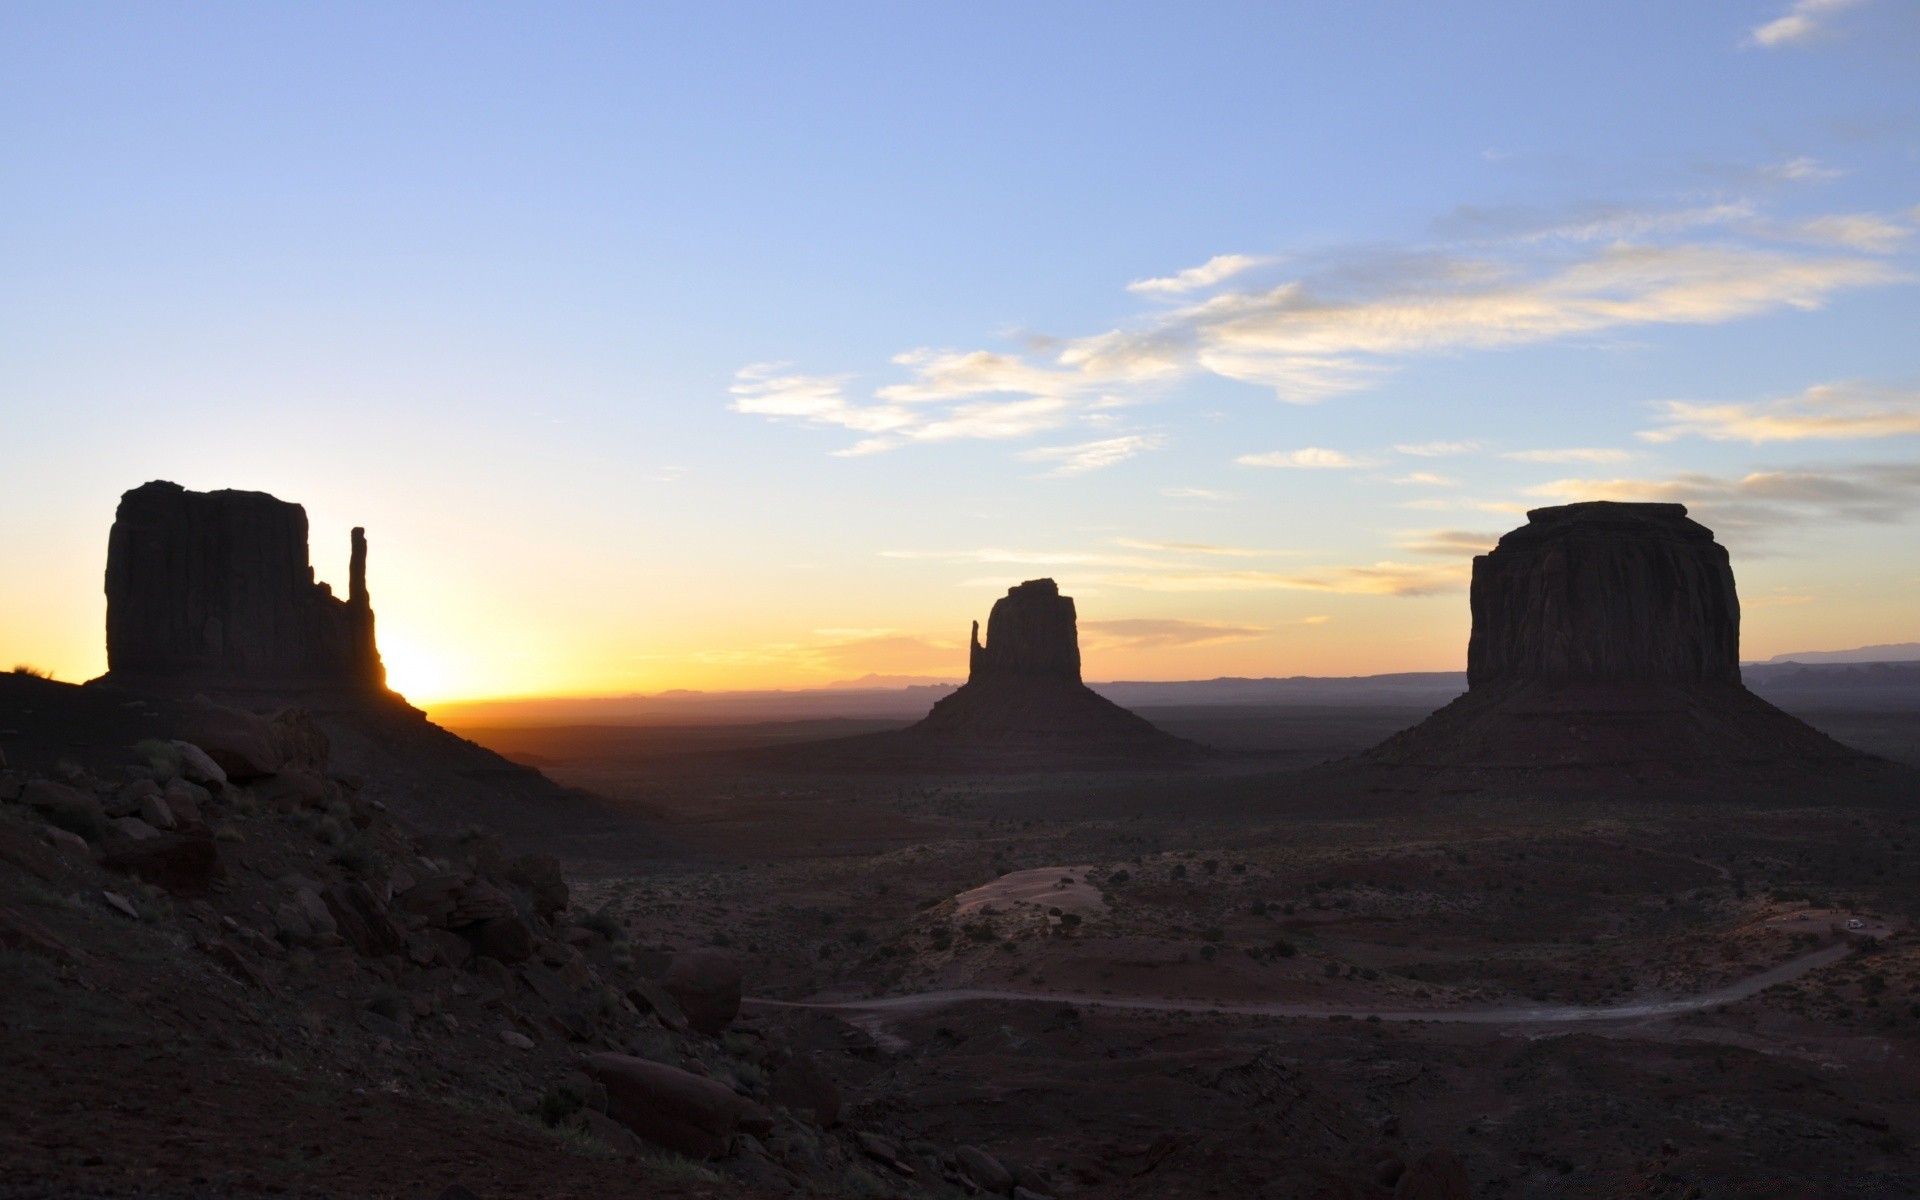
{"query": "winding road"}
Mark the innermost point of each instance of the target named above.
(922, 1002)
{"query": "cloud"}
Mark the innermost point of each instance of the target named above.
(1801, 170)
(838, 651)
(1436, 449)
(1448, 543)
(1869, 233)
(1312, 458)
(1426, 479)
(1029, 558)
(1802, 23)
(1378, 579)
(1826, 412)
(1151, 633)
(1193, 493)
(1198, 548)
(1759, 503)
(1347, 319)
(1215, 270)
(1091, 456)
(1587, 454)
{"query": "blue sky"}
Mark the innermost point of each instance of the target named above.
(764, 344)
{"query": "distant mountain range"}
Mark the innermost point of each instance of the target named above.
(1896, 652)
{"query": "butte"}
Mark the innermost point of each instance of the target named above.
(1606, 648)
(1023, 707)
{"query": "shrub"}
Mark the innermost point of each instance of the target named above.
(1259, 908)
(1213, 933)
(1211, 866)
(164, 760)
(358, 856)
(559, 1102)
(32, 671)
(1119, 877)
(1179, 870)
(1285, 948)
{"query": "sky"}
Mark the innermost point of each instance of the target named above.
(764, 345)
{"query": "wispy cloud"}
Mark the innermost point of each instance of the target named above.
(1448, 543)
(1801, 170)
(1436, 449)
(1310, 458)
(1573, 454)
(1198, 548)
(1158, 633)
(1377, 579)
(1217, 269)
(1424, 479)
(1345, 319)
(1803, 22)
(1827, 412)
(1760, 502)
(1193, 493)
(1091, 456)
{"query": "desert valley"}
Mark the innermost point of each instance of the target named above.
(1606, 924)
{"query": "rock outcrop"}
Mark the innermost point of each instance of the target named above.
(1606, 646)
(214, 589)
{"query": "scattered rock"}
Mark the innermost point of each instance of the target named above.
(121, 905)
(363, 920)
(295, 787)
(67, 808)
(516, 1039)
(649, 996)
(242, 743)
(155, 811)
(706, 983)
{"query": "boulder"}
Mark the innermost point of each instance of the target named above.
(184, 864)
(1435, 1175)
(155, 811)
(801, 1085)
(706, 984)
(988, 1173)
(133, 829)
(243, 743)
(196, 766)
(363, 920)
(674, 1109)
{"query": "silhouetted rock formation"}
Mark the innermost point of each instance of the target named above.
(1023, 690)
(1606, 644)
(1605, 591)
(1032, 633)
(215, 589)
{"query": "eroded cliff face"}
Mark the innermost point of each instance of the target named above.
(1605, 592)
(1032, 633)
(216, 587)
